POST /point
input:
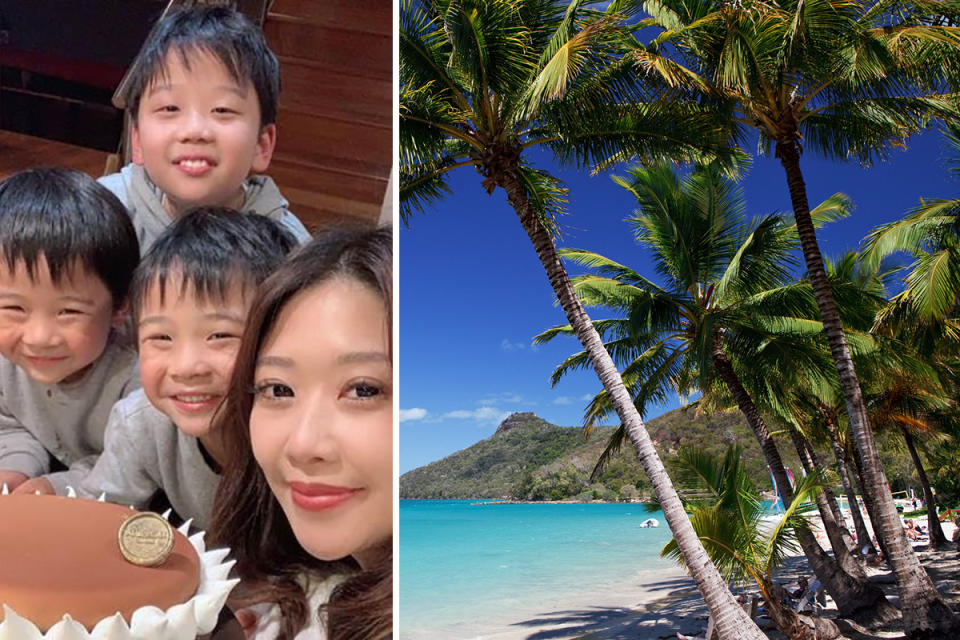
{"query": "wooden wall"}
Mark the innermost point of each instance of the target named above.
(334, 148)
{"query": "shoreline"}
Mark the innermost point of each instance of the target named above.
(575, 614)
(498, 501)
(655, 605)
(673, 604)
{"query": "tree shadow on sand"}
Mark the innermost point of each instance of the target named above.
(679, 607)
(676, 606)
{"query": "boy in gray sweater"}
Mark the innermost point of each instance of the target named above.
(67, 253)
(202, 98)
(189, 298)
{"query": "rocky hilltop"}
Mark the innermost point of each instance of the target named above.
(527, 458)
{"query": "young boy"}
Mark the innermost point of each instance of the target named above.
(67, 253)
(202, 100)
(189, 298)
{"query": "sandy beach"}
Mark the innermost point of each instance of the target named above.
(658, 609)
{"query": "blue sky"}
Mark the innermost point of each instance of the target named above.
(473, 293)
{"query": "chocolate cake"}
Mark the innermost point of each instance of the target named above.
(61, 557)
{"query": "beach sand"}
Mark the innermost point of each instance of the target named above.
(658, 609)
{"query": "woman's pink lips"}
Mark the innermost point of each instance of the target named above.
(319, 497)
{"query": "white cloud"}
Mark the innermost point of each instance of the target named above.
(506, 345)
(412, 414)
(507, 397)
(562, 400)
(484, 415)
(587, 397)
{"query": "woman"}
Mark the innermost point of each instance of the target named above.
(305, 503)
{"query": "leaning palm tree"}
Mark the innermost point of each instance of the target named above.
(848, 79)
(740, 538)
(483, 81)
(723, 279)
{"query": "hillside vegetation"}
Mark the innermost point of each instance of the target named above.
(528, 458)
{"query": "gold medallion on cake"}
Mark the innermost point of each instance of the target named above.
(146, 539)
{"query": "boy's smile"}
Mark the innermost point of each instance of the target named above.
(198, 134)
(54, 332)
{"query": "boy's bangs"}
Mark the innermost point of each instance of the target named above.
(202, 285)
(62, 265)
(227, 56)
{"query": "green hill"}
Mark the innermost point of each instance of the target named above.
(528, 458)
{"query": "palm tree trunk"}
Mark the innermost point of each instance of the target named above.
(937, 539)
(810, 462)
(732, 622)
(863, 536)
(839, 537)
(855, 598)
(924, 610)
(868, 501)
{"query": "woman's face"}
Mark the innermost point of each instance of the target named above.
(321, 424)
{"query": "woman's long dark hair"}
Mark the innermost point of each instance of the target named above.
(247, 517)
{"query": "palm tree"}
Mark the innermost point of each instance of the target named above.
(731, 523)
(926, 312)
(906, 396)
(848, 79)
(819, 408)
(903, 390)
(908, 405)
(723, 280)
(482, 81)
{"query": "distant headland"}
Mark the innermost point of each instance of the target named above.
(528, 459)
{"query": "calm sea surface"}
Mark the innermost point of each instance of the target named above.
(468, 569)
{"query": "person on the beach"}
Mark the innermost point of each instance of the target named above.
(801, 589)
(202, 99)
(306, 499)
(911, 530)
(67, 253)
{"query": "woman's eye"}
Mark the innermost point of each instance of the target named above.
(70, 312)
(223, 110)
(366, 390)
(169, 108)
(273, 390)
(224, 336)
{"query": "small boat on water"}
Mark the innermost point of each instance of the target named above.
(650, 522)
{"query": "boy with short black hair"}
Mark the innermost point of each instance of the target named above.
(67, 253)
(202, 98)
(189, 299)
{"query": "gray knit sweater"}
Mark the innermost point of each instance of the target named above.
(143, 200)
(143, 452)
(65, 420)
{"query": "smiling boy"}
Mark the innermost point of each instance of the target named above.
(189, 298)
(202, 98)
(67, 253)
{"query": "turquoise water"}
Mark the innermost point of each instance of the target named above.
(467, 570)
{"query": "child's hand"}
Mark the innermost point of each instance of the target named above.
(12, 479)
(36, 485)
